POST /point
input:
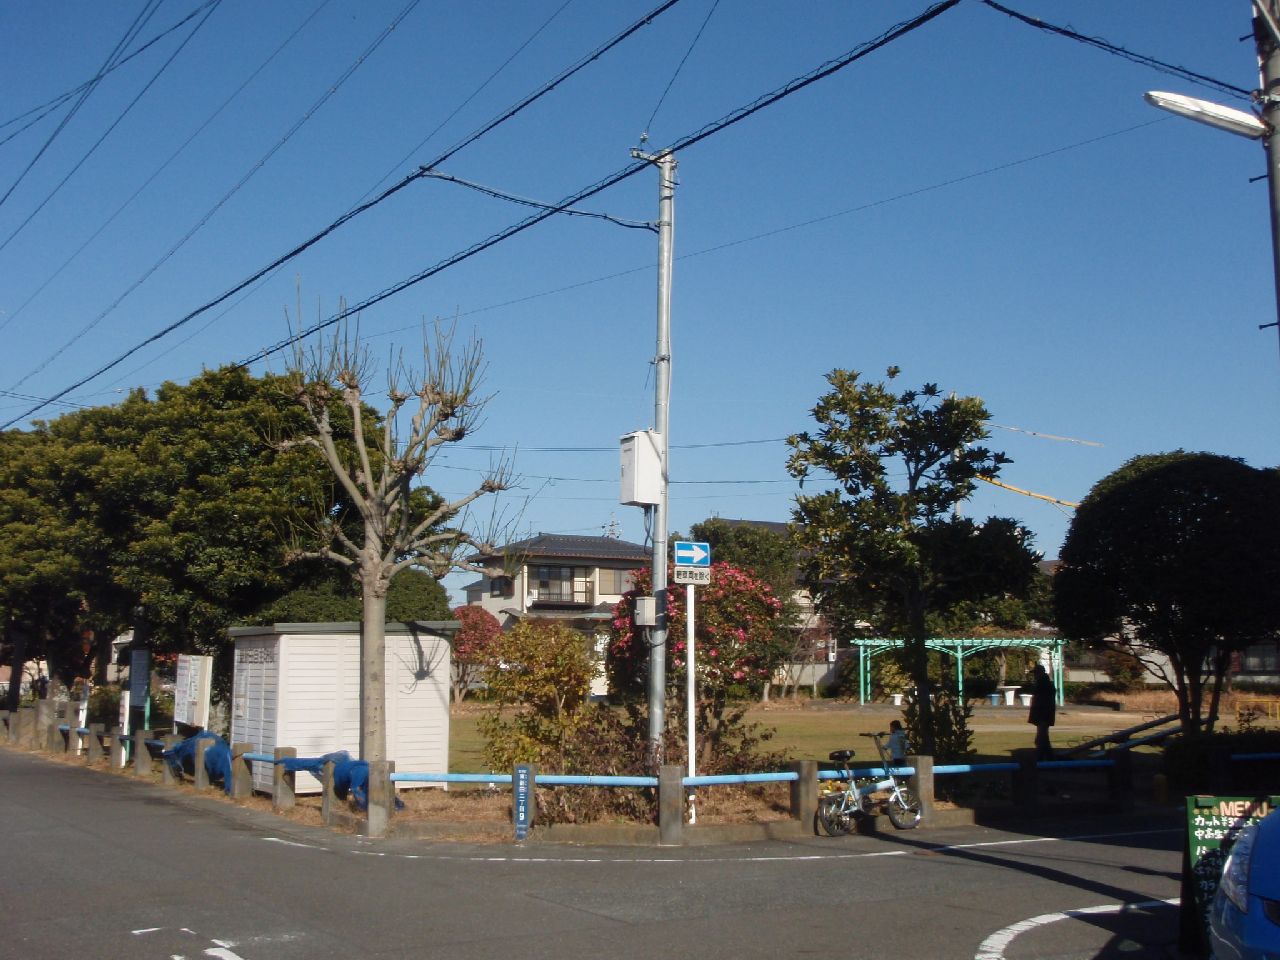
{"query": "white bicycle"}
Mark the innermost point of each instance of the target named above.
(838, 808)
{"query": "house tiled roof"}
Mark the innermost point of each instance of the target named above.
(562, 546)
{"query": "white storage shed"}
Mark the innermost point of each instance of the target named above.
(298, 685)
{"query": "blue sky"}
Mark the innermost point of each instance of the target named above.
(987, 206)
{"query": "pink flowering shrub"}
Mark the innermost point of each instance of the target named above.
(740, 638)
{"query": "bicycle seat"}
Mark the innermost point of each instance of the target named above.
(840, 756)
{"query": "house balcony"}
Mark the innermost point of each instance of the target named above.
(567, 596)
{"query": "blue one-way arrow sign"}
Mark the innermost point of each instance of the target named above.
(692, 554)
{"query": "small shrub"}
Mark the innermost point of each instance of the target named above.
(1190, 764)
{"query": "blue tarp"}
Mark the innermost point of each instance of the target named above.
(217, 758)
(349, 776)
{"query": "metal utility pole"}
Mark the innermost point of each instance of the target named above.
(666, 164)
(1266, 33)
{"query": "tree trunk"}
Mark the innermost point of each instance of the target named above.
(18, 638)
(373, 664)
(920, 668)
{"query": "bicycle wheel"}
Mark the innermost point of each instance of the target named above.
(903, 809)
(836, 820)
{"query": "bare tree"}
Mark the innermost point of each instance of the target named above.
(398, 525)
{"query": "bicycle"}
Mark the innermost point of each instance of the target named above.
(838, 808)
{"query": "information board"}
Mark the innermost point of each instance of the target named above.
(1213, 823)
(191, 690)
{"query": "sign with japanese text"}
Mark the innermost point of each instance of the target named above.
(1213, 823)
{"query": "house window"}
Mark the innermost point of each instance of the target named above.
(616, 582)
(1261, 658)
(560, 584)
(501, 587)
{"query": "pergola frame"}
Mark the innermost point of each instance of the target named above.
(960, 647)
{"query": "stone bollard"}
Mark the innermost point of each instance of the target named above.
(671, 804)
(73, 737)
(27, 724)
(328, 801)
(1026, 780)
(93, 750)
(382, 798)
(141, 753)
(1120, 779)
(167, 776)
(921, 784)
(241, 771)
(283, 795)
(45, 715)
(27, 727)
(199, 775)
(117, 748)
(53, 739)
(804, 791)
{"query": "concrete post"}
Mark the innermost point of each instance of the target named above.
(73, 736)
(141, 753)
(921, 784)
(53, 741)
(671, 804)
(1120, 779)
(117, 748)
(382, 798)
(241, 771)
(44, 717)
(283, 796)
(93, 752)
(328, 801)
(804, 791)
(167, 776)
(27, 727)
(1026, 780)
(199, 775)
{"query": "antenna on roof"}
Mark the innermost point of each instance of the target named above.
(613, 529)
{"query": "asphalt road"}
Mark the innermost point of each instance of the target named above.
(98, 866)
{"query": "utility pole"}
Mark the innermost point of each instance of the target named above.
(1266, 34)
(666, 164)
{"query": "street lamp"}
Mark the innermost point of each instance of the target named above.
(1266, 34)
(1240, 122)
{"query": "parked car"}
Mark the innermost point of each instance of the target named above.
(1245, 921)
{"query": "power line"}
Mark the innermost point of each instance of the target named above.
(44, 109)
(145, 14)
(526, 202)
(799, 83)
(474, 93)
(115, 123)
(165, 165)
(506, 115)
(644, 136)
(1146, 61)
(813, 221)
(262, 161)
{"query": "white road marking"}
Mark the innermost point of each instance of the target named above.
(784, 858)
(994, 946)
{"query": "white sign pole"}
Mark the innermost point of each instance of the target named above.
(691, 691)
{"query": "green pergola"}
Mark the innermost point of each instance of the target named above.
(959, 647)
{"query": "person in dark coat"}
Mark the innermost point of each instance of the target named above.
(1044, 697)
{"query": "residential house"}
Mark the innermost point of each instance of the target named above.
(573, 579)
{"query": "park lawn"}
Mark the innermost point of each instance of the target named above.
(799, 734)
